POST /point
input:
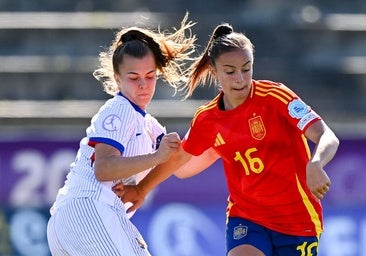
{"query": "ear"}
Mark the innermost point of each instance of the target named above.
(117, 78)
(212, 71)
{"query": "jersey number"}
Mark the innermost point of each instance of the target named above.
(249, 162)
(306, 248)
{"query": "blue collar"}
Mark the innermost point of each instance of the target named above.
(137, 108)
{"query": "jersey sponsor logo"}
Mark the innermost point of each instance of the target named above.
(257, 128)
(219, 140)
(112, 123)
(306, 119)
(240, 232)
(298, 109)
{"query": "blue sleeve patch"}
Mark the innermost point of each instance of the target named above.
(298, 109)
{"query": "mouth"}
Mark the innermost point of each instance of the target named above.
(144, 95)
(239, 89)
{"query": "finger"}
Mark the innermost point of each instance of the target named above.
(324, 189)
(119, 193)
(118, 186)
(174, 145)
(318, 195)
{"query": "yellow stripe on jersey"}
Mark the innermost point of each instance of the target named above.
(273, 94)
(279, 86)
(282, 93)
(203, 108)
(306, 145)
(312, 212)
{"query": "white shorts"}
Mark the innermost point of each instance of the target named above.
(87, 227)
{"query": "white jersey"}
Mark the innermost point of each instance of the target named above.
(123, 125)
(86, 211)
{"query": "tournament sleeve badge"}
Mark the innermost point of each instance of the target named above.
(112, 123)
(299, 110)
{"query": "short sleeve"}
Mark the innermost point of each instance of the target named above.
(114, 124)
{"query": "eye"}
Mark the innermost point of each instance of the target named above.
(229, 71)
(133, 78)
(150, 77)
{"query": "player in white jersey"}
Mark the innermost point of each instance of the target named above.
(122, 143)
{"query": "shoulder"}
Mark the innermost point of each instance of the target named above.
(116, 108)
(205, 109)
(117, 105)
(274, 90)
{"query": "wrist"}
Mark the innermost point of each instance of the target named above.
(142, 190)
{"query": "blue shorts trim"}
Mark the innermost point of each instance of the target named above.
(240, 231)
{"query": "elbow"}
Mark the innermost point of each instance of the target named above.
(100, 171)
(334, 141)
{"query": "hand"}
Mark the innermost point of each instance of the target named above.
(130, 193)
(169, 145)
(317, 179)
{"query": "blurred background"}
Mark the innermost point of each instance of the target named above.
(49, 49)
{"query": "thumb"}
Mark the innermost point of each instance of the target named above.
(135, 206)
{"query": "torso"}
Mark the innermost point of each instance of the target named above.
(264, 154)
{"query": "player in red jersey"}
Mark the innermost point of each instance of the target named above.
(259, 129)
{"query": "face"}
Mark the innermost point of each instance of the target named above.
(137, 79)
(234, 71)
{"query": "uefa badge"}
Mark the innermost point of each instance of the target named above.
(298, 109)
(112, 123)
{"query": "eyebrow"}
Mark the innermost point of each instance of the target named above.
(134, 73)
(246, 63)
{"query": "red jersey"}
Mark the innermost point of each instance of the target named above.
(264, 153)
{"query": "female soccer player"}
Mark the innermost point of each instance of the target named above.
(259, 129)
(121, 145)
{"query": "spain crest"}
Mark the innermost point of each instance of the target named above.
(257, 128)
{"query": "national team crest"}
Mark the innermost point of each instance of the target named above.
(257, 128)
(240, 232)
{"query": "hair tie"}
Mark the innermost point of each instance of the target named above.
(133, 35)
(222, 30)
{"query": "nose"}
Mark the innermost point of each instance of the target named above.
(142, 83)
(239, 78)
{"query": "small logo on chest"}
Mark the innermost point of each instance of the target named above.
(219, 140)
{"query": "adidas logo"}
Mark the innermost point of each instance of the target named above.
(219, 140)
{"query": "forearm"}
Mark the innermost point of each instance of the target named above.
(197, 164)
(119, 167)
(162, 172)
(326, 148)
